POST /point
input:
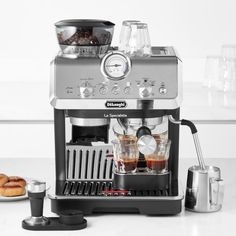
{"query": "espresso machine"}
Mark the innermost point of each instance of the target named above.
(93, 87)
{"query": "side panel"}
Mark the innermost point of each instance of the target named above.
(60, 151)
(173, 133)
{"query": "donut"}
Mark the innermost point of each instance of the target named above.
(17, 180)
(3, 179)
(12, 189)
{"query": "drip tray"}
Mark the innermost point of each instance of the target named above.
(104, 188)
(99, 197)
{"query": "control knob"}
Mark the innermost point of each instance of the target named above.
(127, 90)
(103, 89)
(115, 90)
(145, 91)
(86, 90)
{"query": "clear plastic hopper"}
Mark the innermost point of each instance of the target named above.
(84, 38)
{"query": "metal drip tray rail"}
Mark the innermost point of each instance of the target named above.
(104, 188)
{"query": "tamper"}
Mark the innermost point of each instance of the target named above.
(68, 220)
(36, 193)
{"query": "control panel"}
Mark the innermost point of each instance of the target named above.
(116, 76)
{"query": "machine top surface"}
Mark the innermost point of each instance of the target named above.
(163, 51)
(159, 51)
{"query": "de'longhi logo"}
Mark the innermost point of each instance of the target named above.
(115, 104)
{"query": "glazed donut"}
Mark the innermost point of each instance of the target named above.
(3, 179)
(17, 180)
(12, 189)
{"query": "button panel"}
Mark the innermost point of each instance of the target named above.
(143, 88)
(149, 78)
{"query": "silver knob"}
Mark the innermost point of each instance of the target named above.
(127, 90)
(115, 90)
(86, 90)
(145, 91)
(147, 144)
(103, 90)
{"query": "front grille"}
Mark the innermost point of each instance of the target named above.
(88, 162)
(104, 188)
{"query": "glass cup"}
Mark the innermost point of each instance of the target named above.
(228, 75)
(139, 43)
(213, 78)
(220, 71)
(125, 34)
(134, 39)
(126, 156)
(158, 161)
(228, 51)
(228, 67)
(124, 133)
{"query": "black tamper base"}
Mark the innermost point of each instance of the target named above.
(71, 217)
(68, 220)
(54, 224)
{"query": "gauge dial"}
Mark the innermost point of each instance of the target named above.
(116, 65)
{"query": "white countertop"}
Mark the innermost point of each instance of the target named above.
(186, 223)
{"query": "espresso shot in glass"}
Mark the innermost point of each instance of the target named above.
(126, 155)
(158, 161)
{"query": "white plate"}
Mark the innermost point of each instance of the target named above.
(22, 197)
(12, 199)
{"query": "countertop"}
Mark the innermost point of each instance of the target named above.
(186, 223)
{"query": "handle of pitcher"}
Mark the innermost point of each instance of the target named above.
(216, 191)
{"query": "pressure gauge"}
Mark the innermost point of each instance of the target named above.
(115, 65)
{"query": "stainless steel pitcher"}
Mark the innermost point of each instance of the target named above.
(205, 189)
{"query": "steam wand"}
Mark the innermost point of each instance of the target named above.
(193, 128)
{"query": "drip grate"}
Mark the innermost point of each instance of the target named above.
(104, 188)
(89, 162)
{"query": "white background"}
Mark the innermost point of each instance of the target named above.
(195, 28)
(28, 44)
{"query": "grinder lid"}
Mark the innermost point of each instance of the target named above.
(84, 23)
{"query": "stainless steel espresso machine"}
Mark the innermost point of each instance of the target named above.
(95, 87)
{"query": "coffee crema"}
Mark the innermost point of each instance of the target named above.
(126, 165)
(156, 163)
